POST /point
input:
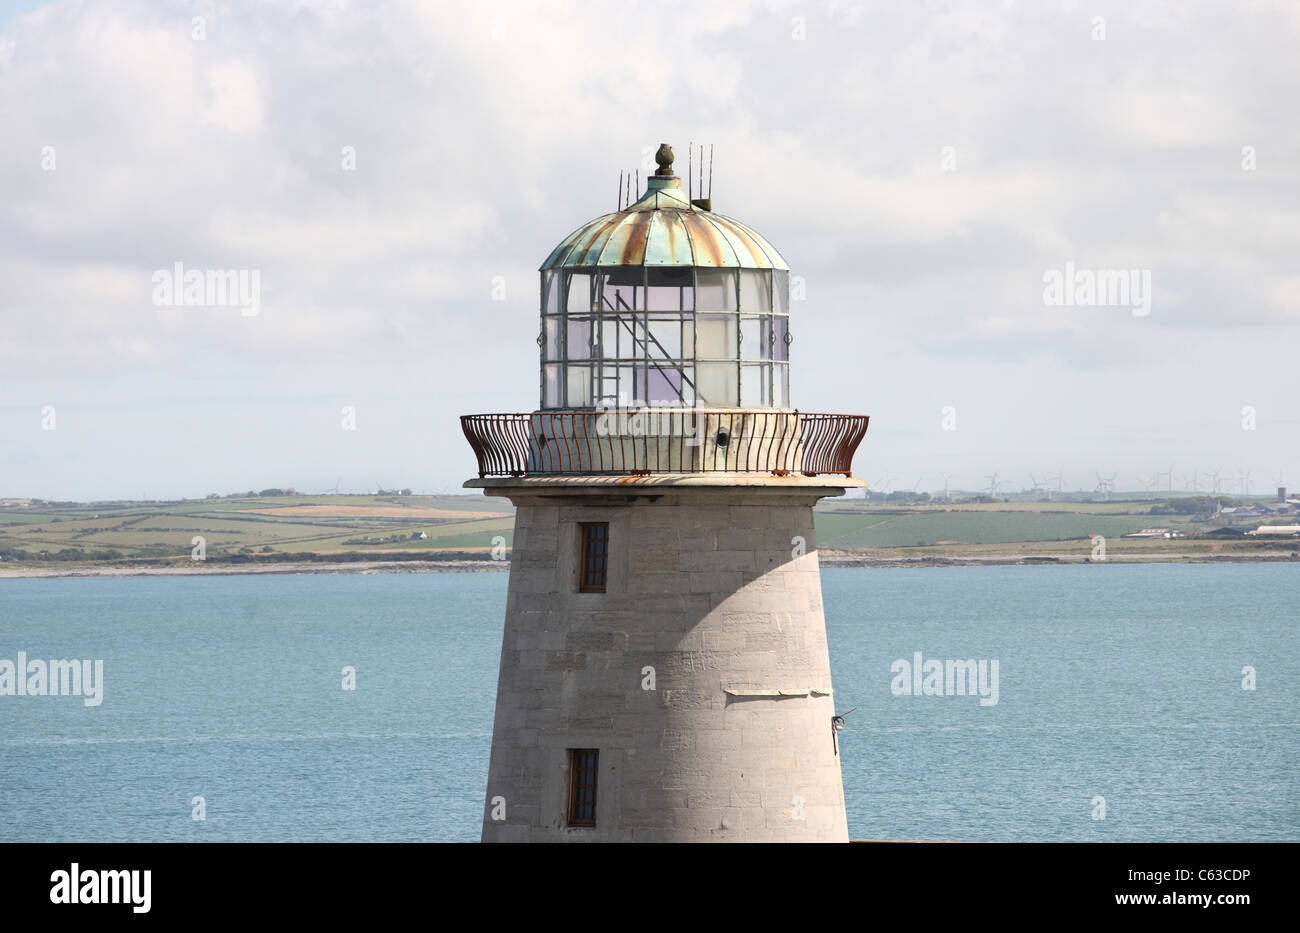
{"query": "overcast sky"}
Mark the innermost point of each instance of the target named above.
(132, 138)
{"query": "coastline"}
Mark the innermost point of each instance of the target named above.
(1054, 561)
(199, 570)
(831, 560)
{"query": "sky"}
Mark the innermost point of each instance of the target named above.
(393, 174)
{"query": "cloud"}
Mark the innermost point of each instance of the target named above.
(483, 135)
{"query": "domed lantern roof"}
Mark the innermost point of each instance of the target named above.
(665, 303)
(663, 228)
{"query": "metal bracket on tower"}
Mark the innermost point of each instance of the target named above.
(837, 726)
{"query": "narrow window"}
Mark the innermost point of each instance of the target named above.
(594, 557)
(582, 786)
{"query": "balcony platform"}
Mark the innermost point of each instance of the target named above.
(604, 483)
(633, 445)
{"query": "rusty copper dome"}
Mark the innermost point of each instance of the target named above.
(663, 228)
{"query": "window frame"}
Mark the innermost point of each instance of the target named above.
(597, 561)
(583, 762)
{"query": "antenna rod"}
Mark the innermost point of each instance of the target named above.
(689, 194)
(620, 189)
(638, 181)
(701, 168)
(710, 172)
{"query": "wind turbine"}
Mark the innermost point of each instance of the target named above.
(1058, 479)
(1214, 477)
(948, 476)
(1192, 488)
(1036, 486)
(335, 490)
(993, 484)
(1169, 475)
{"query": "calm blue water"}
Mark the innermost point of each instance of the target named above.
(1115, 681)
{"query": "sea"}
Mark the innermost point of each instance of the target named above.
(1152, 702)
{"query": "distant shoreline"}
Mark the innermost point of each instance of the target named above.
(1053, 561)
(278, 531)
(830, 561)
(203, 570)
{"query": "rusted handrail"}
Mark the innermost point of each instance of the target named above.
(664, 440)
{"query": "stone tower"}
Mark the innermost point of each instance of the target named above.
(664, 669)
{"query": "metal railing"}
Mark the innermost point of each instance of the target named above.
(664, 440)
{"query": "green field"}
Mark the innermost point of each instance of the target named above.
(981, 527)
(40, 531)
(346, 527)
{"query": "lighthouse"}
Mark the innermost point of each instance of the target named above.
(664, 675)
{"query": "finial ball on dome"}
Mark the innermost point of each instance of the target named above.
(665, 159)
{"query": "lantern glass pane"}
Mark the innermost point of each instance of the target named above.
(615, 342)
(715, 337)
(551, 293)
(626, 385)
(664, 298)
(756, 384)
(666, 339)
(781, 291)
(751, 339)
(621, 294)
(579, 386)
(578, 339)
(639, 384)
(665, 387)
(756, 291)
(715, 290)
(551, 386)
(551, 334)
(579, 293)
(717, 384)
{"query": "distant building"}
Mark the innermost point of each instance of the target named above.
(1155, 533)
(1225, 532)
(418, 536)
(1276, 531)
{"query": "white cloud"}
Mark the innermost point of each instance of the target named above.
(475, 155)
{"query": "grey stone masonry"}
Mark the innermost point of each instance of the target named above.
(701, 674)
